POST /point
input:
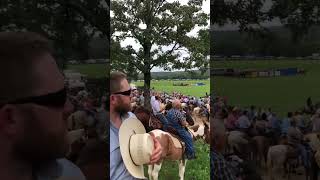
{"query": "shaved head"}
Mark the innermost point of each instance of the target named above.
(176, 104)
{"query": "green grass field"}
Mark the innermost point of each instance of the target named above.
(282, 94)
(197, 169)
(91, 70)
(167, 86)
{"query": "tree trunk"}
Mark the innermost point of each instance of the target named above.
(147, 81)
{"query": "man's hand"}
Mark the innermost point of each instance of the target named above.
(184, 123)
(157, 151)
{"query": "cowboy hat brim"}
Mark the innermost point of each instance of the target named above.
(129, 127)
(75, 135)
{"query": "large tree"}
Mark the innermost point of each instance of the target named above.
(249, 15)
(70, 24)
(160, 30)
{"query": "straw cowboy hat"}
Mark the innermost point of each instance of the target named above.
(235, 108)
(136, 146)
(75, 135)
(183, 105)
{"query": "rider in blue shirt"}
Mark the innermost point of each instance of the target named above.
(177, 120)
(286, 124)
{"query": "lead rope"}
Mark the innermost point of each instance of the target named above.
(150, 120)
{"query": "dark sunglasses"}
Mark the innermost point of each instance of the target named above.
(55, 99)
(125, 93)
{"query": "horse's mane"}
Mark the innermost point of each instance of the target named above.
(206, 125)
(141, 109)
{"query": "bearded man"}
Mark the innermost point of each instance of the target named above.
(120, 105)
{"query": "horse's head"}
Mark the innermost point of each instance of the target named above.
(143, 115)
(147, 118)
(206, 133)
(189, 118)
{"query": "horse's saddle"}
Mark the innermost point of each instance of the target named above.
(178, 143)
(172, 130)
(155, 123)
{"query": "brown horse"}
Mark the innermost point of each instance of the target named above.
(262, 145)
(172, 149)
(93, 161)
(150, 121)
(207, 133)
(147, 118)
(87, 150)
(280, 158)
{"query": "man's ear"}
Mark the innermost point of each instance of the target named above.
(8, 119)
(112, 99)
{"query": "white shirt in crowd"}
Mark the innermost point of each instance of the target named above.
(155, 104)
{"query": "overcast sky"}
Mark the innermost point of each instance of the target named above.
(136, 46)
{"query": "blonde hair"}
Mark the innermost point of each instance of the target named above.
(115, 80)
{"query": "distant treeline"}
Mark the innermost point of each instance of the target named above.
(278, 43)
(177, 75)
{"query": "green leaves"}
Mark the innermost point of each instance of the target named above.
(159, 27)
(70, 24)
(297, 15)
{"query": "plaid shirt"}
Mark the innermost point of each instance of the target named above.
(219, 167)
(175, 117)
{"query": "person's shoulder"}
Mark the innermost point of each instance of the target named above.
(131, 114)
(70, 170)
(59, 169)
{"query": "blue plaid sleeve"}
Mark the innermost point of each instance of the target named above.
(219, 169)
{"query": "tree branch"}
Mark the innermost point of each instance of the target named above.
(158, 8)
(134, 52)
(154, 62)
(86, 14)
(138, 66)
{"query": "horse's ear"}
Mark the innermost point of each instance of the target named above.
(139, 108)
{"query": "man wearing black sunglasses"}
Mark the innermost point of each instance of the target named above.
(33, 111)
(120, 106)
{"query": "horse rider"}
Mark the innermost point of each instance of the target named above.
(177, 120)
(155, 104)
(231, 119)
(243, 123)
(316, 121)
(286, 124)
(309, 108)
(274, 128)
(252, 113)
(187, 113)
(261, 125)
(295, 139)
